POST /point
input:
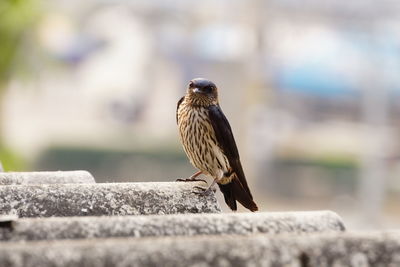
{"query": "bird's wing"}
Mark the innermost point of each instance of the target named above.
(223, 133)
(177, 108)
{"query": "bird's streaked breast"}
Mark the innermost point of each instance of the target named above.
(199, 140)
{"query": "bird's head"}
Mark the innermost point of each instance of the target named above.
(202, 92)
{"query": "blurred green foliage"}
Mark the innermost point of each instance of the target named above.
(17, 17)
(11, 161)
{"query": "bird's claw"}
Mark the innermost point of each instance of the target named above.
(203, 191)
(190, 180)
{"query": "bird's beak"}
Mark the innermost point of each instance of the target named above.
(196, 90)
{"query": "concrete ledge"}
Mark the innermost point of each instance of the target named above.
(346, 249)
(57, 177)
(171, 225)
(104, 199)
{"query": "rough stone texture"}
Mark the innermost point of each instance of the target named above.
(57, 177)
(346, 249)
(104, 199)
(171, 225)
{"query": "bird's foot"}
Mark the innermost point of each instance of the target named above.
(190, 180)
(203, 191)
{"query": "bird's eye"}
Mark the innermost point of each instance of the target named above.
(208, 89)
(191, 84)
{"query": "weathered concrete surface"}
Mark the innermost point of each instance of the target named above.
(346, 249)
(171, 225)
(56, 177)
(104, 199)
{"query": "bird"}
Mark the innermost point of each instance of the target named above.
(208, 142)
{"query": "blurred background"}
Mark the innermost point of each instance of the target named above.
(311, 89)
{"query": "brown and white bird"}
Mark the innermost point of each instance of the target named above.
(208, 141)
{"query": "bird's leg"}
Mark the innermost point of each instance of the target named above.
(205, 191)
(195, 175)
(192, 178)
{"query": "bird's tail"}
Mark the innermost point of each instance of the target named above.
(234, 191)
